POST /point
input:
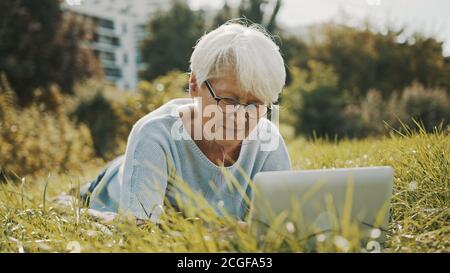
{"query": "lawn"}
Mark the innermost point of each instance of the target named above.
(419, 221)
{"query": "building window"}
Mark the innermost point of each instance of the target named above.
(106, 40)
(138, 57)
(113, 72)
(109, 24)
(108, 56)
(115, 41)
(125, 58)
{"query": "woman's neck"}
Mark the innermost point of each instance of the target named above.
(225, 153)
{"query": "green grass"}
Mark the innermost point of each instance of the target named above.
(419, 221)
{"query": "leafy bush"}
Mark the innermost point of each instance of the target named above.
(313, 104)
(366, 59)
(35, 142)
(431, 107)
(321, 113)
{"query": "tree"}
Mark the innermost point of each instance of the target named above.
(76, 62)
(347, 81)
(223, 15)
(172, 36)
(364, 59)
(257, 11)
(39, 47)
(313, 102)
(295, 54)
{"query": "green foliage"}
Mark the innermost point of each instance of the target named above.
(415, 104)
(172, 35)
(313, 102)
(159, 91)
(295, 54)
(35, 142)
(102, 118)
(39, 47)
(261, 12)
(364, 59)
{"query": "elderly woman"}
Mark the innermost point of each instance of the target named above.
(237, 73)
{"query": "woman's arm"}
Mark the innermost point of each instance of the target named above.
(144, 177)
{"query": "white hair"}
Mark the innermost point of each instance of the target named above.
(251, 54)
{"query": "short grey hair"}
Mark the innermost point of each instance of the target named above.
(251, 54)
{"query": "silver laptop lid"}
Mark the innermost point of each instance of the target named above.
(312, 202)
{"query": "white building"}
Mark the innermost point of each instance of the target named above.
(119, 30)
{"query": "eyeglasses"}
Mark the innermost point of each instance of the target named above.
(230, 105)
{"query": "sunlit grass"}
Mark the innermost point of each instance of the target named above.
(419, 221)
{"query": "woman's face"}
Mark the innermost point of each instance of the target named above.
(219, 120)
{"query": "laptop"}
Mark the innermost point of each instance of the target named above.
(311, 203)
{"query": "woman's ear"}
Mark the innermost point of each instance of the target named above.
(192, 85)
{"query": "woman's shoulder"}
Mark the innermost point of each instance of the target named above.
(160, 121)
(266, 130)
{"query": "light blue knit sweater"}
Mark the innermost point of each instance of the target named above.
(139, 181)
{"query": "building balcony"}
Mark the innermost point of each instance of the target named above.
(104, 46)
(112, 72)
(108, 64)
(106, 32)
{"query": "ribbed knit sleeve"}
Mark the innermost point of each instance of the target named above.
(144, 177)
(278, 159)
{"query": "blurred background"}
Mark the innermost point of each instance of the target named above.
(76, 75)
